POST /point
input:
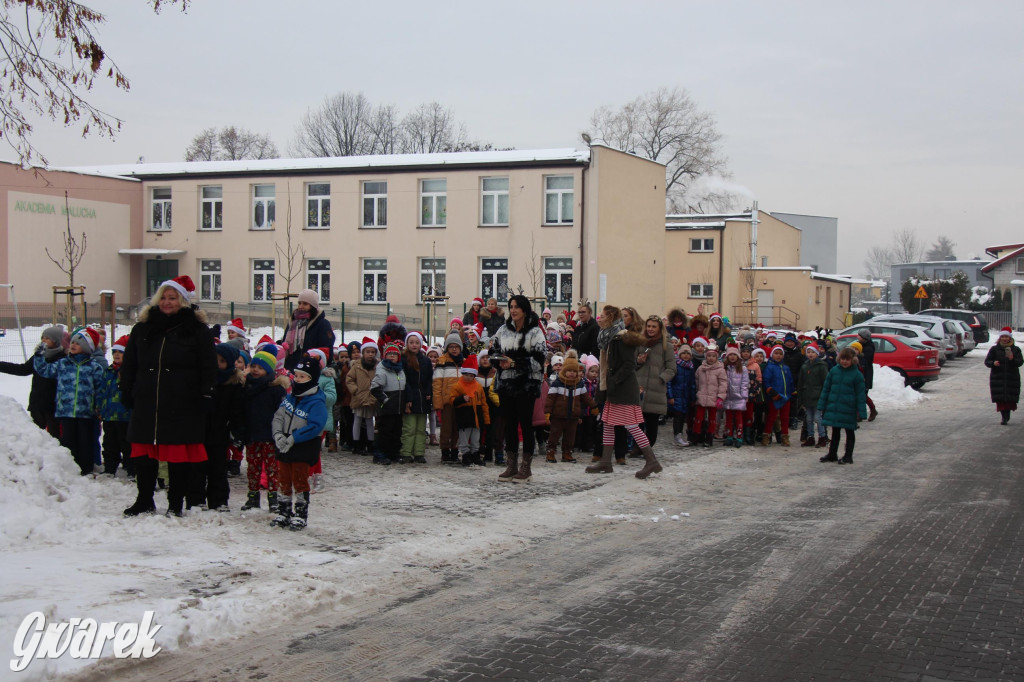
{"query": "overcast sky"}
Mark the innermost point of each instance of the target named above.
(883, 114)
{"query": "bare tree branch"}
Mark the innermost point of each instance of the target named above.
(74, 250)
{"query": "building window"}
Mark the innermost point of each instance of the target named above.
(817, 294)
(907, 273)
(702, 290)
(558, 199)
(764, 261)
(432, 277)
(318, 205)
(318, 277)
(263, 207)
(494, 201)
(262, 280)
(161, 209)
(434, 202)
(375, 204)
(212, 217)
(209, 280)
(375, 280)
(702, 245)
(558, 280)
(841, 304)
(941, 273)
(494, 279)
(1018, 269)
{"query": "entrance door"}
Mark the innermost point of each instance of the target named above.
(766, 306)
(158, 271)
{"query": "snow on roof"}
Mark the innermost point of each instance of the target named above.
(782, 267)
(843, 279)
(994, 250)
(264, 166)
(708, 216)
(694, 226)
(996, 263)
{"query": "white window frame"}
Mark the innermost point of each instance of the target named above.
(427, 269)
(492, 269)
(318, 207)
(705, 291)
(210, 278)
(1018, 268)
(160, 206)
(318, 277)
(703, 244)
(564, 198)
(379, 204)
(380, 277)
(215, 202)
(496, 197)
(436, 198)
(263, 271)
(562, 273)
(269, 204)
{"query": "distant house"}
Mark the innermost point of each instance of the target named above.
(939, 269)
(819, 247)
(1007, 266)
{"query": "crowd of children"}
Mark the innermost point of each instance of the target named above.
(389, 397)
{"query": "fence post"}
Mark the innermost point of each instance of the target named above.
(232, 310)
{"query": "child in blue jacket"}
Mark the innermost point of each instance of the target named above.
(115, 416)
(79, 384)
(682, 392)
(779, 389)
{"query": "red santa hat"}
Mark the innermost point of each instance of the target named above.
(368, 340)
(1005, 331)
(713, 316)
(478, 301)
(120, 344)
(417, 335)
(812, 347)
(264, 340)
(321, 354)
(183, 284)
(701, 340)
(393, 319)
(235, 326)
(469, 365)
(476, 329)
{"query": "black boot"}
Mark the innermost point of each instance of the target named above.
(467, 459)
(145, 482)
(709, 439)
(284, 512)
(847, 454)
(499, 458)
(252, 500)
(1006, 417)
(271, 501)
(298, 521)
(833, 452)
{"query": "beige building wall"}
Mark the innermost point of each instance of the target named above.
(685, 268)
(33, 220)
(806, 299)
(628, 233)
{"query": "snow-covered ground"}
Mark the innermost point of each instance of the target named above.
(69, 552)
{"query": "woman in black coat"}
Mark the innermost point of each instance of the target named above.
(1004, 360)
(309, 328)
(867, 366)
(167, 379)
(419, 385)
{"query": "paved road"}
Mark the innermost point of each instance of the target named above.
(907, 565)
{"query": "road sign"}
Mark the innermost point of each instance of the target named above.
(921, 293)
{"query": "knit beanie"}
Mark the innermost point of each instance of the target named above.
(266, 359)
(55, 334)
(246, 358)
(309, 296)
(86, 337)
(571, 364)
(856, 345)
(238, 342)
(310, 366)
(392, 347)
(228, 352)
(732, 349)
(685, 347)
(864, 333)
(453, 337)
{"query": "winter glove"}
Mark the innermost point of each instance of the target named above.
(289, 441)
(719, 403)
(40, 349)
(280, 440)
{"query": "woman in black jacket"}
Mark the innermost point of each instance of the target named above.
(1004, 360)
(419, 381)
(167, 379)
(309, 328)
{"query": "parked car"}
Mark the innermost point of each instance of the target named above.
(916, 363)
(936, 325)
(922, 335)
(976, 321)
(969, 343)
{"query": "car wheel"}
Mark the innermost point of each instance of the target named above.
(906, 381)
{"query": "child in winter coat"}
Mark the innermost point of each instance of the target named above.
(698, 346)
(297, 428)
(433, 354)
(364, 405)
(712, 389)
(80, 384)
(446, 375)
(490, 446)
(567, 403)
(471, 415)
(779, 388)
(388, 388)
(587, 432)
(843, 399)
(808, 390)
(225, 424)
(738, 390)
(754, 420)
(42, 398)
(329, 386)
(419, 387)
(116, 448)
(541, 428)
(263, 393)
(682, 393)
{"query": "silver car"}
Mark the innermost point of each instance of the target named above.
(935, 326)
(922, 335)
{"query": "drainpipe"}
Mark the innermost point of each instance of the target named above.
(721, 263)
(753, 235)
(583, 241)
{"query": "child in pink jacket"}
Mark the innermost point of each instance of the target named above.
(712, 388)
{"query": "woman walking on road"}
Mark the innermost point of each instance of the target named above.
(1004, 359)
(842, 401)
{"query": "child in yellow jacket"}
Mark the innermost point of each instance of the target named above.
(469, 403)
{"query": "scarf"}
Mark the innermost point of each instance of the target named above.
(604, 337)
(296, 335)
(51, 353)
(393, 366)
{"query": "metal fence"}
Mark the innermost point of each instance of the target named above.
(997, 319)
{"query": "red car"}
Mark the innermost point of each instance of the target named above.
(916, 362)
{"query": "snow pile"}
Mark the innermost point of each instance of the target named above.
(993, 337)
(889, 392)
(980, 296)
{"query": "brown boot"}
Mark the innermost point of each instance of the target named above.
(621, 461)
(604, 465)
(567, 457)
(332, 442)
(524, 474)
(785, 440)
(766, 439)
(512, 460)
(871, 417)
(595, 459)
(822, 442)
(651, 465)
(635, 453)
(807, 443)
(551, 457)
